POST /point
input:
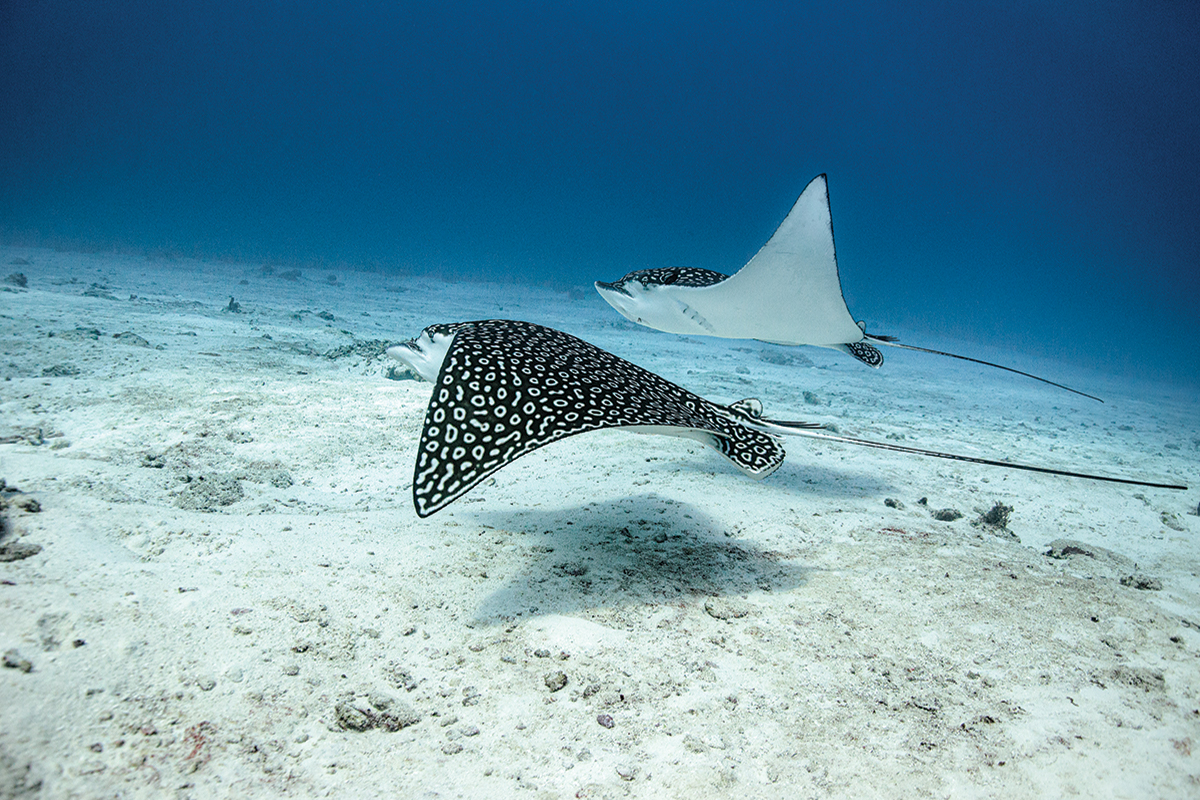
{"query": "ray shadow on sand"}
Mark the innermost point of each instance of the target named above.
(801, 475)
(635, 550)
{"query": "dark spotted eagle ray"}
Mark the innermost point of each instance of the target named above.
(789, 293)
(504, 388)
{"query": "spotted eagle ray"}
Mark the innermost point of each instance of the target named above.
(503, 388)
(789, 293)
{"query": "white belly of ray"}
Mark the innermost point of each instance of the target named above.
(789, 293)
(425, 354)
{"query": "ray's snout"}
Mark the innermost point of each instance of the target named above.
(617, 287)
(423, 355)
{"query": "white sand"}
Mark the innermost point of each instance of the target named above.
(794, 637)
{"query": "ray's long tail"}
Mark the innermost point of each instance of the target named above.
(807, 429)
(891, 342)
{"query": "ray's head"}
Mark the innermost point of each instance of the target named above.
(424, 355)
(640, 295)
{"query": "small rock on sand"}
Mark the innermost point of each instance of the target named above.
(719, 608)
(14, 660)
(18, 551)
(555, 681)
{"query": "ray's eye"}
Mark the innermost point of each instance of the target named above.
(670, 276)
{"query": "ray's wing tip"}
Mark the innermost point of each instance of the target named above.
(765, 473)
(422, 510)
(425, 511)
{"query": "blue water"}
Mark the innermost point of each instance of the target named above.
(1021, 173)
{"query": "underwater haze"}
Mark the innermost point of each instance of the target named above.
(1019, 173)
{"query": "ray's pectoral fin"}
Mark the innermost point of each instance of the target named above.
(866, 353)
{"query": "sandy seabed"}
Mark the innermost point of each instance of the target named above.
(214, 583)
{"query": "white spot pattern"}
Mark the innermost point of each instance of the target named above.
(507, 388)
(670, 276)
(868, 354)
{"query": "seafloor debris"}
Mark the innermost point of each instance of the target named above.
(997, 516)
(207, 492)
(1143, 582)
(99, 290)
(14, 660)
(61, 371)
(131, 338)
(18, 551)
(1172, 521)
(995, 521)
(722, 609)
(78, 334)
(555, 681)
(784, 359)
(361, 716)
(15, 550)
(369, 349)
(1103, 562)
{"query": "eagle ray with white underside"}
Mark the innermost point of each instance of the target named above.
(789, 293)
(502, 389)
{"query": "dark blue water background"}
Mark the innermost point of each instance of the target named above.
(1023, 172)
